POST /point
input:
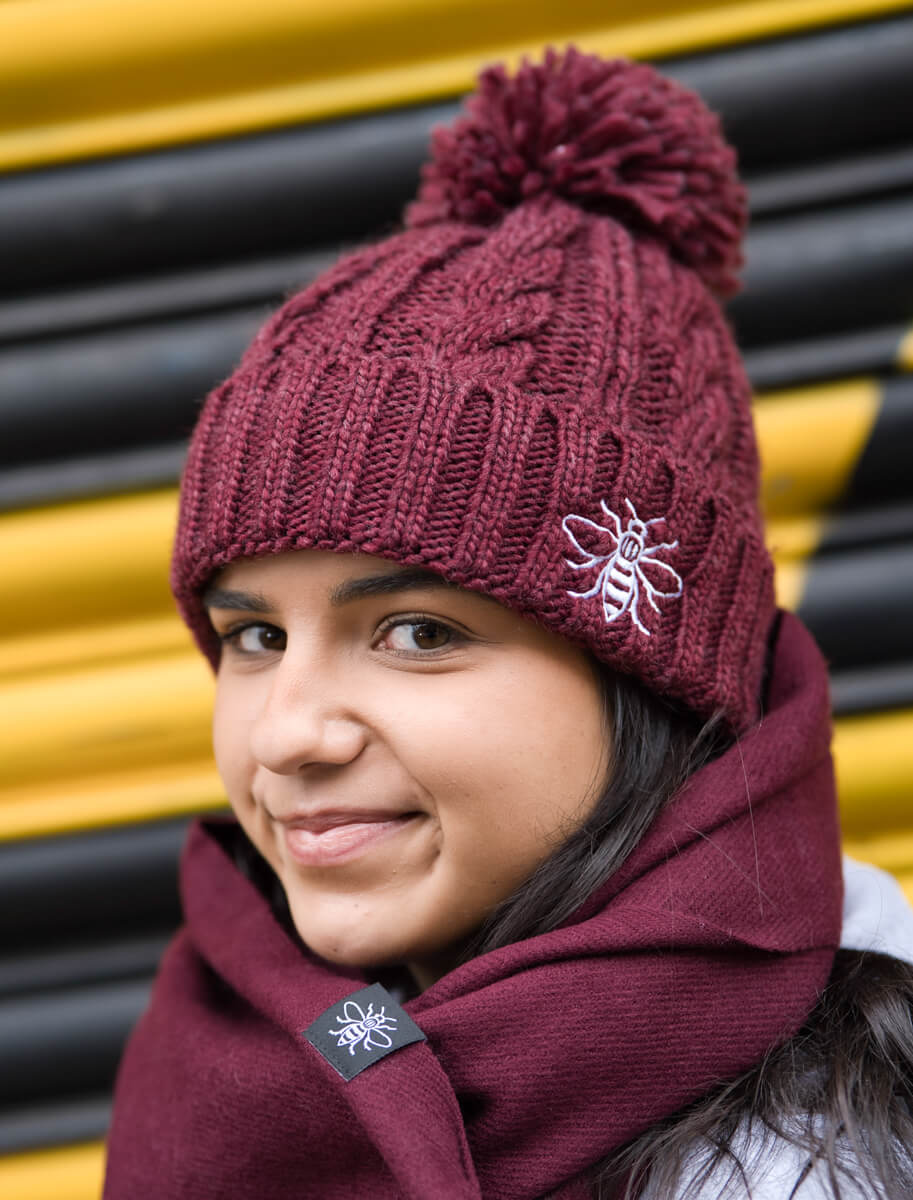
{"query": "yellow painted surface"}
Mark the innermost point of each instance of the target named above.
(874, 760)
(83, 78)
(905, 352)
(67, 1173)
(142, 793)
(789, 582)
(810, 441)
(86, 563)
(92, 645)
(892, 850)
(105, 718)
(794, 537)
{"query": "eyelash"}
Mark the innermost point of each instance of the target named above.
(232, 636)
(417, 619)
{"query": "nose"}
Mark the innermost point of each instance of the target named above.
(305, 720)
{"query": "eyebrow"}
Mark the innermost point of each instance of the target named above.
(343, 593)
(382, 585)
(216, 597)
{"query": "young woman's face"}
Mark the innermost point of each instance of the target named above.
(402, 752)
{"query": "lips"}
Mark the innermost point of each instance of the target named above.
(337, 837)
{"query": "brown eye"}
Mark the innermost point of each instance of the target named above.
(254, 639)
(429, 635)
(413, 636)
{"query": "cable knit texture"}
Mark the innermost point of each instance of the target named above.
(531, 389)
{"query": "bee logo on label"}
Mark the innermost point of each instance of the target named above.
(360, 1030)
(370, 1028)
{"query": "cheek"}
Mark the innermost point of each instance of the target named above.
(523, 767)
(545, 745)
(230, 740)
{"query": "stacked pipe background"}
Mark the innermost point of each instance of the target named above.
(167, 178)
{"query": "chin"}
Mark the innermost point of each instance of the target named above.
(345, 947)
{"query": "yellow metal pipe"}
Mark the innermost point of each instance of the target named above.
(63, 1173)
(893, 851)
(86, 563)
(143, 793)
(789, 583)
(874, 758)
(103, 77)
(105, 719)
(92, 645)
(905, 352)
(810, 441)
(791, 538)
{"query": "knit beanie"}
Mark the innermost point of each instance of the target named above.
(531, 389)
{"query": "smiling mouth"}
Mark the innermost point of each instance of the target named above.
(332, 839)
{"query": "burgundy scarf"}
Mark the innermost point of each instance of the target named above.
(709, 946)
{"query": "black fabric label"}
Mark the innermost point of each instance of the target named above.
(361, 1030)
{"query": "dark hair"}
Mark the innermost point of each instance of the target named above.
(841, 1090)
(656, 746)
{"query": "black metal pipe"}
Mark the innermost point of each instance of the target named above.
(237, 198)
(825, 184)
(867, 351)
(51, 1123)
(885, 467)
(812, 96)
(81, 963)
(858, 606)
(872, 689)
(159, 297)
(92, 885)
(81, 478)
(861, 528)
(53, 1043)
(820, 95)
(826, 272)
(105, 391)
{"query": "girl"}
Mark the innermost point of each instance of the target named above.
(534, 887)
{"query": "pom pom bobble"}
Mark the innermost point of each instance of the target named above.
(614, 137)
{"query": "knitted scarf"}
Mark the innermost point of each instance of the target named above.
(533, 1062)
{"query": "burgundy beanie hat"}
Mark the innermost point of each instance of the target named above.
(531, 390)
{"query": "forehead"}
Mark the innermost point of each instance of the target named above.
(309, 562)
(257, 583)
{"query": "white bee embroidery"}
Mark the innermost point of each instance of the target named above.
(622, 572)
(369, 1028)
